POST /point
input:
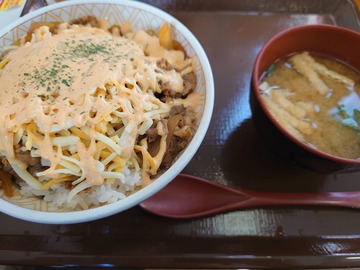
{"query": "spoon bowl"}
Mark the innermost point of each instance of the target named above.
(190, 197)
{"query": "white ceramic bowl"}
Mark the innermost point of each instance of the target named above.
(140, 16)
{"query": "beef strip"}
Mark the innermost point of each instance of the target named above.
(152, 134)
(25, 156)
(164, 64)
(184, 133)
(36, 169)
(175, 110)
(189, 83)
(86, 20)
(175, 146)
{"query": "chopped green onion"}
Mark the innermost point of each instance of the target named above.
(270, 69)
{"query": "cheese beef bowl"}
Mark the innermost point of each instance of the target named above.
(306, 97)
(102, 104)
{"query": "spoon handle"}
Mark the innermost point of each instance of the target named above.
(242, 198)
(343, 199)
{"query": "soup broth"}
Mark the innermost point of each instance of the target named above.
(317, 100)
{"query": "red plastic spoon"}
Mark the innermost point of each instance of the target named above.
(188, 197)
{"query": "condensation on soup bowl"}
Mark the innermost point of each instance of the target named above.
(312, 95)
(97, 114)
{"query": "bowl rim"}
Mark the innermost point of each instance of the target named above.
(256, 77)
(142, 194)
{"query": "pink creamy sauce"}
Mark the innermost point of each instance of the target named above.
(52, 83)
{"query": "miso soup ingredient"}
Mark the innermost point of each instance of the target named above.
(317, 100)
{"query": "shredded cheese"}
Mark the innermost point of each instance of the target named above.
(84, 104)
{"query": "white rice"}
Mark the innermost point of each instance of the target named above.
(94, 196)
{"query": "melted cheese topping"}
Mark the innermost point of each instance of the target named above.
(62, 95)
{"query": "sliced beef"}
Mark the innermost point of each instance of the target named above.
(36, 169)
(178, 136)
(175, 110)
(86, 20)
(34, 164)
(25, 157)
(164, 64)
(189, 83)
(168, 92)
(176, 144)
(152, 133)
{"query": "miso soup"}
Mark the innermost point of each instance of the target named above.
(317, 100)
